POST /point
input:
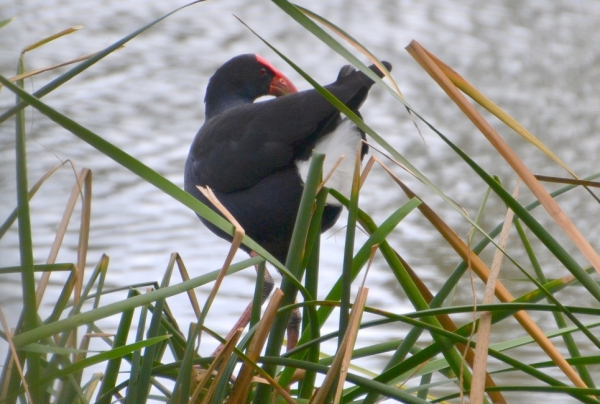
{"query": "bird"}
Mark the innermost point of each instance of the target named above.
(254, 156)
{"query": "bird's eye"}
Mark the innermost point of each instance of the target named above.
(262, 71)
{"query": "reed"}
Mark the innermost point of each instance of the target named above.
(435, 360)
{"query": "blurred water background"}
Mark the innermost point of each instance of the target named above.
(537, 60)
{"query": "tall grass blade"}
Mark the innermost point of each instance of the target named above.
(112, 366)
(30, 315)
(294, 260)
(511, 158)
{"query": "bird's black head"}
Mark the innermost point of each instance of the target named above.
(242, 80)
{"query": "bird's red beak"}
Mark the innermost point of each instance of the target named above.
(280, 85)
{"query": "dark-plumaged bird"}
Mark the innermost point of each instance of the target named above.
(255, 155)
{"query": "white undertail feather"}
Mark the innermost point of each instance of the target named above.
(344, 140)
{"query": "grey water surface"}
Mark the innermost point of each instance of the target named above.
(537, 60)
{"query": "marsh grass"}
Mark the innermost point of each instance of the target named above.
(50, 352)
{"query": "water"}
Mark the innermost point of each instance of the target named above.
(537, 60)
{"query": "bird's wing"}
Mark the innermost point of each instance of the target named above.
(238, 147)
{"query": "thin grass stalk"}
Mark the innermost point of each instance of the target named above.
(314, 231)
(112, 366)
(90, 329)
(84, 228)
(349, 250)
(5, 22)
(558, 317)
(134, 388)
(153, 331)
(35, 72)
(182, 389)
(30, 315)
(307, 384)
(51, 38)
(257, 301)
(63, 299)
(311, 282)
(238, 235)
(38, 268)
(186, 277)
(485, 319)
(293, 262)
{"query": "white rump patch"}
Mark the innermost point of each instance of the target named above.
(344, 140)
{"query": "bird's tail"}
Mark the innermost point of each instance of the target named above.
(347, 70)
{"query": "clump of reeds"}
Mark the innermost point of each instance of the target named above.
(48, 353)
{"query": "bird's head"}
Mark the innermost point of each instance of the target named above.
(243, 79)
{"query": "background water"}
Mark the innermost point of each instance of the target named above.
(537, 60)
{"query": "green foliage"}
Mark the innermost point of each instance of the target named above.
(431, 363)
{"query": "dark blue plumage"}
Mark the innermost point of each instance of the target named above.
(254, 155)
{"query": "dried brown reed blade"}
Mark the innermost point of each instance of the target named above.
(96, 378)
(244, 379)
(82, 187)
(485, 319)
(339, 367)
(221, 358)
(13, 358)
(235, 244)
(550, 205)
(330, 173)
(51, 38)
(559, 180)
(185, 277)
(54, 67)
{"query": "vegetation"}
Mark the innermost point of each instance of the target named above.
(435, 361)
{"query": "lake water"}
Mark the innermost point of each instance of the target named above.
(537, 60)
